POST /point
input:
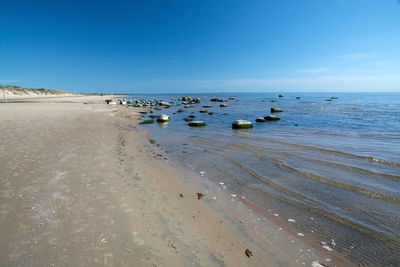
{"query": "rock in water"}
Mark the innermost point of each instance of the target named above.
(223, 105)
(261, 119)
(242, 124)
(197, 123)
(162, 103)
(163, 118)
(216, 99)
(272, 118)
(146, 122)
(203, 111)
(273, 110)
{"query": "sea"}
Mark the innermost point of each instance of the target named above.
(332, 161)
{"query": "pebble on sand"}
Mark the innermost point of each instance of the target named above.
(248, 253)
(199, 195)
(317, 264)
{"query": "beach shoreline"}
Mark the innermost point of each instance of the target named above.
(8, 96)
(82, 185)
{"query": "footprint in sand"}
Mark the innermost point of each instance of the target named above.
(108, 259)
(137, 240)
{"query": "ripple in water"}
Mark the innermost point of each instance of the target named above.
(332, 165)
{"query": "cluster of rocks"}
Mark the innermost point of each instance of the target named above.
(331, 98)
(268, 118)
(135, 102)
(110, 102)
(188, 102)
(243, 124)
(120, 101)
(217, 99)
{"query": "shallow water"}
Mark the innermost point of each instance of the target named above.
(334, 166)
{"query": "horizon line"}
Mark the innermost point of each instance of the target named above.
(257, 92)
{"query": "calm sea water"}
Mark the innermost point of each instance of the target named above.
(332, 165)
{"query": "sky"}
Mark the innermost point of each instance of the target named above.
(201, 46)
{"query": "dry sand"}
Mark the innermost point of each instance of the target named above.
(81, 186)
(8, 95)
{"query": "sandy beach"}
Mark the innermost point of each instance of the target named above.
(81, 185)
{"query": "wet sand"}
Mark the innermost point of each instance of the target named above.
(81, 186)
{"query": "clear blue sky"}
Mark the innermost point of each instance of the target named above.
(201, 46)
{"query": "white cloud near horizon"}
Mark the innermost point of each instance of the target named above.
(314, 71)
(8, 81)
(361, 71)
(357, 56)
(381, 63)
(242, 82)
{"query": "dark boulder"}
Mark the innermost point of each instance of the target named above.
(242, 124)
(272, 118)
(274, 110)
